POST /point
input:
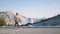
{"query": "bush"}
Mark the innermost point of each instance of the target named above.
(2, 22)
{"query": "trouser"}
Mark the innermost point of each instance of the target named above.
(16, 24)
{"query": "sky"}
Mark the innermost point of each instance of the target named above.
(32, 8)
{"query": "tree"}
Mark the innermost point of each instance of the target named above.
(2, 22)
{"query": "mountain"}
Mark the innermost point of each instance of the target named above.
(9, 17)
(53, 21)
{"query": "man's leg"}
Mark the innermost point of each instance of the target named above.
(17, 24)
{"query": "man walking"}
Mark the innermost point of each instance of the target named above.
(16, 20)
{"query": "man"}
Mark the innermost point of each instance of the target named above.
(16, 20)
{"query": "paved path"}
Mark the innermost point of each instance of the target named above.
(12, 30)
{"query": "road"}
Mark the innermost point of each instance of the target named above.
(20, 30)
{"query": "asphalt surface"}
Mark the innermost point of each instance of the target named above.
(20, 30)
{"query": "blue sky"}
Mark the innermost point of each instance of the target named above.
(32, 8)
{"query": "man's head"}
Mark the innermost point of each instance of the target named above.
(16, 13)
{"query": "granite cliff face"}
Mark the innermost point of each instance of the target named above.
(8, 17)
